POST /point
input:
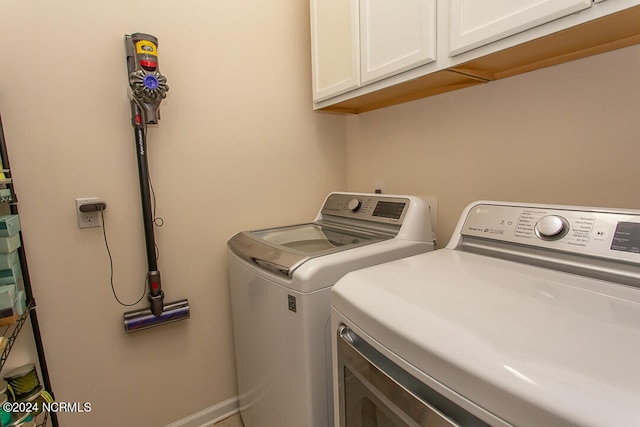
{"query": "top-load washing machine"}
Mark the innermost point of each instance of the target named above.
(529, 317)
(280, 280)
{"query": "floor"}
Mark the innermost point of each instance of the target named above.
(232, 421)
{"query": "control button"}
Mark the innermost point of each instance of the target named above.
(600, 234)
(354, 204)
(551, 227)
(148, 65)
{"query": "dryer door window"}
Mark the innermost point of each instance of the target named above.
(375, 392)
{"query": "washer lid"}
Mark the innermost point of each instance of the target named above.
(531, 345)
(284, 249)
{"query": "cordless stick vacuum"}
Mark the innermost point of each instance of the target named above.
(147, 89)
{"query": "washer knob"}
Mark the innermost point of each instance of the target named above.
(354, 204)
(551, 227)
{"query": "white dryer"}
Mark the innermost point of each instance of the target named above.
(280, 280)
(529, 317)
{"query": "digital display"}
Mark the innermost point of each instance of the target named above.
(626, 237)
(391, 210)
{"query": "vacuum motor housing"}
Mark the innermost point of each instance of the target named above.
(148, 86)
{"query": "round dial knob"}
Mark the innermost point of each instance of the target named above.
(551, 227)
(354, 204)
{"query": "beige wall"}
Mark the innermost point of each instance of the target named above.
(238, 147)
(569, 134)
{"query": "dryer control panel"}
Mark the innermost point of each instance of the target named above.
(592, 232)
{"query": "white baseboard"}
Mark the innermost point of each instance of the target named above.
(209, 416)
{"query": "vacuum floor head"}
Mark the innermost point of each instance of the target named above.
(139, 320)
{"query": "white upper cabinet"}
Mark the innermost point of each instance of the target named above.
(395, 36)
(370, 54)
(357, 42)
(474, 23)
(335, 51)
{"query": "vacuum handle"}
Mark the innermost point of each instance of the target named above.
(155, 296)
(145, 195)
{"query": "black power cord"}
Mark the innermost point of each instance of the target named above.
(113, 289)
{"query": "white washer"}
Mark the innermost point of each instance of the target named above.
(280, 279)
(529, 317)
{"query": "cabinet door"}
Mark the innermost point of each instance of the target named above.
(474, 23)
(334, 47)
(395, 36)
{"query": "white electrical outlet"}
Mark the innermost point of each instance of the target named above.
(88, 219)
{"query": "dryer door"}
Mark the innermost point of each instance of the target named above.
(375, 392)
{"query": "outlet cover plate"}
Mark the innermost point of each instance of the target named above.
(88, 219)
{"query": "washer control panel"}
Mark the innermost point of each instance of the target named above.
(384, 209)
(602, 233)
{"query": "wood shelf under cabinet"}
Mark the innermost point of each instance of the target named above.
(422, 87)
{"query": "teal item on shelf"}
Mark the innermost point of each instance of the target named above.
(5, 417)
(8, 260)
(9, 244)
(9, 225)
(8, 295)
(11, 275)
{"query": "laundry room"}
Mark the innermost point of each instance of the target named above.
(238, 146)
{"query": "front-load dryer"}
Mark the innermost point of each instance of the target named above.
(529, 317)
(280, 279)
